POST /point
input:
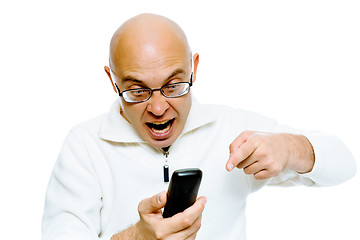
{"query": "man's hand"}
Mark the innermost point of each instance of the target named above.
(152, 225)
(265, 155)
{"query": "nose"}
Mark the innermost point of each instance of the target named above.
(157, 104)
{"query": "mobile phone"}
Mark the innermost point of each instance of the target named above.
(182, 192)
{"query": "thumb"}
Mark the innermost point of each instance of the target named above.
(152, 204)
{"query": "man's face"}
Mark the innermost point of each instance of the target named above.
(159, 120)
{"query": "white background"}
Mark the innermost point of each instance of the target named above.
(295, 61)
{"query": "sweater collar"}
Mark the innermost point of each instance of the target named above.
(116, 129)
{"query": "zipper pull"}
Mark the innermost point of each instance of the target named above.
(166, 172)
(166, 166)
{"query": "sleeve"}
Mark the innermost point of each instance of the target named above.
(74, 198)
(334, 163)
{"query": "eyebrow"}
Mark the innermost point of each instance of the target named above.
(176, 72)
(130, 78)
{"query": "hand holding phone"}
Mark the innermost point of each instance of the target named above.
(182, 192)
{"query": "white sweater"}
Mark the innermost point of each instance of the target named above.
(105, 169)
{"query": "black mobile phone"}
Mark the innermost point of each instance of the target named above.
(182, 192)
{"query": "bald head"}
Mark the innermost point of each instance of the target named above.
(151, 51)
(146, 38)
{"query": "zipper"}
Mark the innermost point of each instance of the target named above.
(166, 166)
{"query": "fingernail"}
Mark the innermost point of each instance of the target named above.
(230, 167)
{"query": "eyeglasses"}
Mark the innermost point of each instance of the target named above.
(138, 95)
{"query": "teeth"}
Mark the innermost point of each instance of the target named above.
(162, 130)
(160, 127)
(159, 123)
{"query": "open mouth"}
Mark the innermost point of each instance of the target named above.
(160, 127)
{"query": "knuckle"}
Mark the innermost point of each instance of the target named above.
(159, 234)
(263, 152)
(186, 222)
(275, 170)
(271, 162)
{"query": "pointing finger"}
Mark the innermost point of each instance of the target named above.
(240, 155)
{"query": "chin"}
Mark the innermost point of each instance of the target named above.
(161, 143)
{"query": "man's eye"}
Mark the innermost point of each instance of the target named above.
(139, 93)
(172, 87)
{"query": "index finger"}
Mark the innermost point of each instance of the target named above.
(240, 154)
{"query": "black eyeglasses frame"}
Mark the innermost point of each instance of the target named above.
(155, 89)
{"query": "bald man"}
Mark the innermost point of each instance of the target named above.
(108, 182)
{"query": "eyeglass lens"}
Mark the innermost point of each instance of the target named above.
(171, 90)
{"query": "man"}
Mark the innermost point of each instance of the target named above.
(108, 182)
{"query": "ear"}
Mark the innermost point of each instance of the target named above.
(196, 62)
(107, 70)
